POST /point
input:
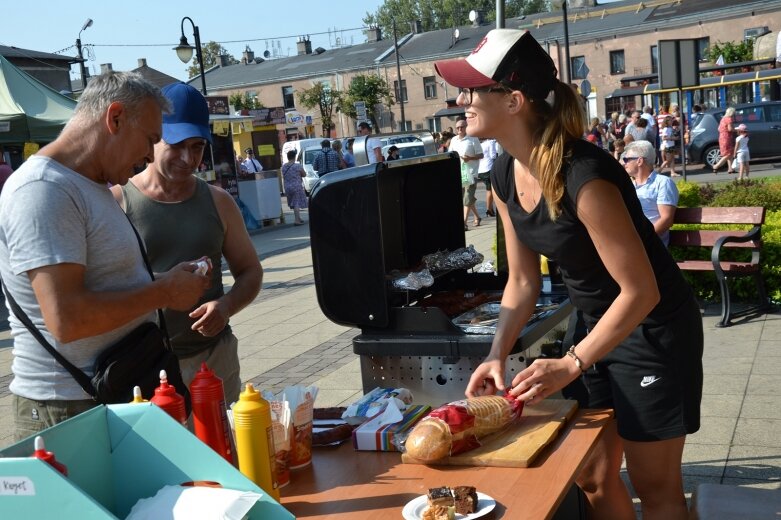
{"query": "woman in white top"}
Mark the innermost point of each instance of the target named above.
(667, 146)
(484, 172)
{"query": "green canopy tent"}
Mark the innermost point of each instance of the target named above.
(30, 111)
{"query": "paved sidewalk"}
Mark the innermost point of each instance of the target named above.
(285, 339)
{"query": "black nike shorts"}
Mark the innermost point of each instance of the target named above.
(653, 379)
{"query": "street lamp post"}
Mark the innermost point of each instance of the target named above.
(82, 68)
(563, 5)
(185, 51)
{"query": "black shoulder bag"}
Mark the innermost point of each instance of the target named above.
(134, 360)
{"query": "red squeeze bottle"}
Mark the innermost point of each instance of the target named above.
(210, 417)
(167, 399)
(47, 456)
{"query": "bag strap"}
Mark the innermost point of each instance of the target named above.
(81, 378)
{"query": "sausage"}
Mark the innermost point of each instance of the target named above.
(332, 435)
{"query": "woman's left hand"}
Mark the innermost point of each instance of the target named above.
(543, 378)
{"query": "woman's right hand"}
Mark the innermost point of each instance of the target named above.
(487, 379)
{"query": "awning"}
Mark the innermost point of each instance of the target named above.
(450, 111)
(626, 92)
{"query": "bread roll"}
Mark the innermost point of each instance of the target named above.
(457, 427)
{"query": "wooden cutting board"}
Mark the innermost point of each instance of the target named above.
(519, 444)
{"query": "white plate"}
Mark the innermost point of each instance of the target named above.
(414, 508)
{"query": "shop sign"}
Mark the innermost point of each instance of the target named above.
(294, 118)
(266, 149)
(268, 116)
(218, 105)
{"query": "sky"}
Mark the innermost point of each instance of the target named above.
(124, 31)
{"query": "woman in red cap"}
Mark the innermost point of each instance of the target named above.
(559, 196)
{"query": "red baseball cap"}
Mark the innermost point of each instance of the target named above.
(510, 56)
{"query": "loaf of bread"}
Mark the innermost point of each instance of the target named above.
(458, 426)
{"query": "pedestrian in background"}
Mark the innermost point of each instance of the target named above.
(373, 145)
(69, 256)
(180, 216)
(470, 152)
(292, 173)
(326, 160)
(251, 164)
(726, 141)
(490, 153)
(336, 146)
(742, 155)
(348, 157)
(658, 194)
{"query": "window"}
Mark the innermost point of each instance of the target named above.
(755, 32)
(654, 59)
(403, 94)
(578, 67)
(774, 113)
(430, 87)
(749, 115)
(617, 62)
(288, 100)
(702, 48)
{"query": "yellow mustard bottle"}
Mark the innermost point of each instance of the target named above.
(255, 441)
(544, 264)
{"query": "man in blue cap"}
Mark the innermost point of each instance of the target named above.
(181, 216)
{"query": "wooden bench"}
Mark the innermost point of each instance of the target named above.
(719, 240)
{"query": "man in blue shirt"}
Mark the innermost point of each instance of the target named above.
(348, 157)
(326, 160)
(658, 194)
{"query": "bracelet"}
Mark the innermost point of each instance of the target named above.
(578, 362)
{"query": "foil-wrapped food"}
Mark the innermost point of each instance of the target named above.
(462, 258)
(413, 281)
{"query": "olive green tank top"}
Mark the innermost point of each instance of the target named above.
(177, 232)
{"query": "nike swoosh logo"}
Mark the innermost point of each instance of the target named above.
(648, 382)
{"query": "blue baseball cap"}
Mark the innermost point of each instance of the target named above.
(189, 116)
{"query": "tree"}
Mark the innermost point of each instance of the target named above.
(443, 14)
(244, 101)
(731, 51)
(211, 57)
(372, 90)
(321, 95)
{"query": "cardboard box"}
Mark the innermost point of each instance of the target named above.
(115, 455)
(375, 436)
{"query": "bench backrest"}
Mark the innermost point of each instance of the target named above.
(732, 215)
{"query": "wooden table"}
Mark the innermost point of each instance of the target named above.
(345, 484)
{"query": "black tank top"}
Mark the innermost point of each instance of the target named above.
(590, 286)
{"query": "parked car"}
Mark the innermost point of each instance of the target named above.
(763, 121)
(307, 157)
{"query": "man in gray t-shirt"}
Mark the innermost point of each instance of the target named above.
(68, 255)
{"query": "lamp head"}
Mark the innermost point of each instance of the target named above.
(184, 50)
(88, 23)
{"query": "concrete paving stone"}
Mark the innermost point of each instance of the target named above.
(727, 350)
(769, 348)
(332, 397)
(768, 366)
(761, 384)
(253, 366)
(704, 459)
(761, 407)
(733, 366)
(690, 483)
(754, 462)
(714, 430)
(715, 405)
(725, 384)
(758, 432)
(282, 350)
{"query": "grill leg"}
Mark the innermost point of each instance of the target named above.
(725, 302)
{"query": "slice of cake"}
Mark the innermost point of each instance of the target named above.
(441, 496)
(465, 498)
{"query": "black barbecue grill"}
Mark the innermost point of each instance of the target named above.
(373, 223)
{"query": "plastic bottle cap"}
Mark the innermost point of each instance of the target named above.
(163, 376)
(39, 444)
(249, 393)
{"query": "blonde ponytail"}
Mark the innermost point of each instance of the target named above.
(565, 121)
